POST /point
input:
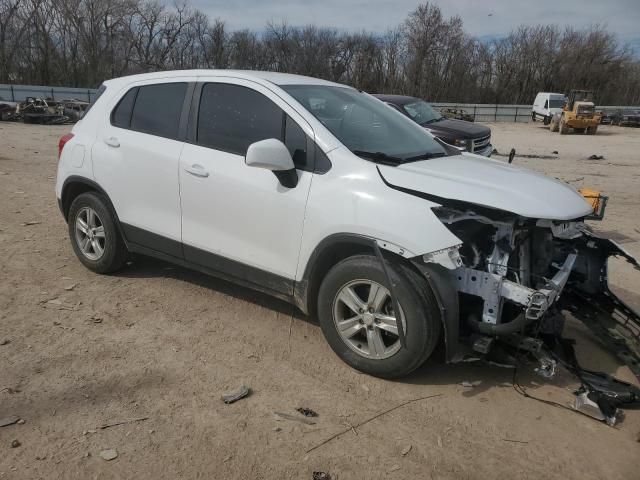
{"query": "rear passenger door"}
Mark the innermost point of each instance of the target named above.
(237, 219)
(136, 159)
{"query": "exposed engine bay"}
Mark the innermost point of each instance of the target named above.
(515, 275)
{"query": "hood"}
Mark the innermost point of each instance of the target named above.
(452, 128)
(490, 183)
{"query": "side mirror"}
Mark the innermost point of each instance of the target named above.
(273, 155)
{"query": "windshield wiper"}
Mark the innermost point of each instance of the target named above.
(379, 157)
(433, 120)
(425, 156)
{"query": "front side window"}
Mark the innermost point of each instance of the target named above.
(232, 117)
(157, 109)
(365, 125)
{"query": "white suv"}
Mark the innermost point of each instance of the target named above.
(321, 195)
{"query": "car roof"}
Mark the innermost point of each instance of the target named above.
(276, 78)
(396, 99)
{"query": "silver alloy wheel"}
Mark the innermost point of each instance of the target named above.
(365, 320)
(90, 234)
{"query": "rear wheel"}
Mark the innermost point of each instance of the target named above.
(564, 128)
(579, 130)
(547, 120)
(533, 116)
(94, 235)
(592, 130)
(553, 124)
(358, 319)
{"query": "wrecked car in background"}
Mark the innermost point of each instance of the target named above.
(43, 111)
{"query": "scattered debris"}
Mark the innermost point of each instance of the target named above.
(295, 418)
(405, 451)
(307, 412)
(41, 457)
(277, 429)
(5, 422)
(95, 319)
(555, 152)
(378, 415)
(21, 422)
(320, 476)
(227, 458)
(595, 157)
(394, 468)
(109, 454)
(5, 341)
(467, 384)
(365, 388)
(439, 441)
(523, 155)
(71, 287)
(27, 224)
(123, 422)
(242, 392)
(15, 444)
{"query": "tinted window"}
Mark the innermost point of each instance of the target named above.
(296, 141)
(232, 117)
(157, 109)
(121, 116)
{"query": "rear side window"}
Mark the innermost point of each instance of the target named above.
(121, 115)
(157, 109)
(232, 117)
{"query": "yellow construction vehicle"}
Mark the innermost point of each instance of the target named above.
(579, 113)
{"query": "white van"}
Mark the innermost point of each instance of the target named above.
(546, 105)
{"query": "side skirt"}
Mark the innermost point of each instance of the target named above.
(142, 242)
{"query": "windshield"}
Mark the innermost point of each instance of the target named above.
(365, 125)
(421, 112)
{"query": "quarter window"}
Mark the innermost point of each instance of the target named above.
(121, 116)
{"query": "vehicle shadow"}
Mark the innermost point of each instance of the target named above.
(484, 375)
(147, 267)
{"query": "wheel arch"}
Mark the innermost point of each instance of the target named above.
(76, 185)
(337, 247)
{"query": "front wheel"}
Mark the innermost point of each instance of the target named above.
(358, 319)
(592, 130)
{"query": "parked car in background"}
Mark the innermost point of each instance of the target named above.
(472, 137)
(628, 117)
(547, 104)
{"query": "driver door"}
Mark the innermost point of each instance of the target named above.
(236, 219)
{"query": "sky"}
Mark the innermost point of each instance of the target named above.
(482, 18)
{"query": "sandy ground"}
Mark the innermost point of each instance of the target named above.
(161, 342)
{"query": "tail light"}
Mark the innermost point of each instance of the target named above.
(63, 140)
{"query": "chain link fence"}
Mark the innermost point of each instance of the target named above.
(19, 93)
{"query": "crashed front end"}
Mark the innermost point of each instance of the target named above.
(514, 275)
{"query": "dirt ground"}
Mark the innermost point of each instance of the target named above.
(164, 343)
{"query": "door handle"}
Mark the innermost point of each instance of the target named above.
(112, 142)
(197, 170)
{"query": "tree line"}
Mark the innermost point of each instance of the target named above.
(83, 42)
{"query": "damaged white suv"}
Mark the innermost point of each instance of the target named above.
(321, 195)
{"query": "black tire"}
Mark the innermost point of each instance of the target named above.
(533, 116)
(114, 254)
(547, 120)
(417, 302)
